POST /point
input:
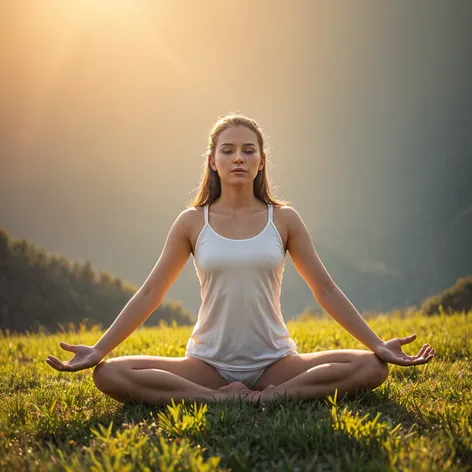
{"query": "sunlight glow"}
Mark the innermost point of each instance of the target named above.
(102, 35)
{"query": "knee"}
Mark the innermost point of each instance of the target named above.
(103, 376)
(378, 371)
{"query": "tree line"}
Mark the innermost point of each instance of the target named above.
(48, 292)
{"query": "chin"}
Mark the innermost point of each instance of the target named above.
(242, 177)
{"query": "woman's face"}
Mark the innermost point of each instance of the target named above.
(237, 147)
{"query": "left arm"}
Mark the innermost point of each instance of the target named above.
(324, 289)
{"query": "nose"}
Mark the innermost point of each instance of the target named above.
(238, 157)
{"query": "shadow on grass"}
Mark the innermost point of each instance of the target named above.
(292, 434)
(286, 434)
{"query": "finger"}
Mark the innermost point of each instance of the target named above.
(422, 351)
(68, 347)
(420, 361)
(62, 366)
(427, 352)
(408, 358)
(425, 357)
(55, 359)
(407, 339)
(50, 363)
(56, 364)
(76, 366)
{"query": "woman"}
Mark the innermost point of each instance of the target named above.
(238, 234)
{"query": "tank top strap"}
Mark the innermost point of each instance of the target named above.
(270, 212)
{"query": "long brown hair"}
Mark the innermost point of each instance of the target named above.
(209, 189)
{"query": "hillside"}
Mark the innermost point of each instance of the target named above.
(430, 246)
(49, 291)
(420, 419)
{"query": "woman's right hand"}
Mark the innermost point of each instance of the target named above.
(85, 357)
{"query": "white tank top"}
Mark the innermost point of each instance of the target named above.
(240, 325)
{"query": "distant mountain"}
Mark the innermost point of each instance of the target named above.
(431, 248)
(423, 255)
(368, 288)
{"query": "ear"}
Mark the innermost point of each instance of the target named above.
(211, 162)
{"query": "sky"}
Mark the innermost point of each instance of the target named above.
(106, 105)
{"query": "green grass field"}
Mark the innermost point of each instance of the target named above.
(420, 419)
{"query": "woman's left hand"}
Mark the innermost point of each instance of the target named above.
(391, 352)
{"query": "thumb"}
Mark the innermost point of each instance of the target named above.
(67, 347)
(408, 339)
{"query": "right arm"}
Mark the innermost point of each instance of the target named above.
(172, 260)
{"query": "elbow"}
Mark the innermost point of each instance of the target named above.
(151, 288)
(326, 291)
(149, 296)
(146, 291)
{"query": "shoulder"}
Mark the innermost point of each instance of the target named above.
(288, 215)
(192, 212)
(187, 218)
(190, 219)
(292, 224)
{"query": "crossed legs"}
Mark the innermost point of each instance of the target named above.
(316, 374)
(155, 380)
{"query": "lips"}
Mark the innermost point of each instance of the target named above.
(239, 170)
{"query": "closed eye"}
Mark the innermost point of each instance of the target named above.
(249, 151)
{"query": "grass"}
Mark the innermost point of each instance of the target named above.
(418, 420)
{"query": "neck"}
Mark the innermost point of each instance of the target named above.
(237, 198)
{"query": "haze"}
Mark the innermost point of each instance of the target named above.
(106, 108)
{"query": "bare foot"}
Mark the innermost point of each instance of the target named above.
(237, 390)
(263, 396)
(233, 386)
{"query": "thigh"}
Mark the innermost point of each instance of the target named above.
(288, 367)
(190, 368)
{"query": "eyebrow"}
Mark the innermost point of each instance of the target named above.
(231, 144)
